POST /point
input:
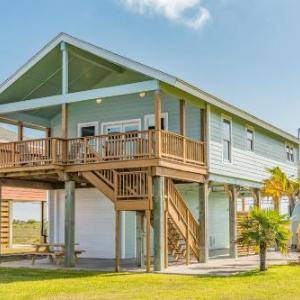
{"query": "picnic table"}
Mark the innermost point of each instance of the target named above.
(55, 252)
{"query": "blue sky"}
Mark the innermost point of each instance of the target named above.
(246, 52)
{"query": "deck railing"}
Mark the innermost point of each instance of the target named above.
(102, 148)
(132, 185)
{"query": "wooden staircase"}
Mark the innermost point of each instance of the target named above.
(127, 190)
(132, 191)
(183, 230)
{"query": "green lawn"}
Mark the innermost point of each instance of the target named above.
(277, 283)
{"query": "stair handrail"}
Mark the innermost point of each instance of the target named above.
(193, 225)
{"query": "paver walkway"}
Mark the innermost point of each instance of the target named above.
(215, 267)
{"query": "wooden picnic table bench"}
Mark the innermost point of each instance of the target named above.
(54, 251)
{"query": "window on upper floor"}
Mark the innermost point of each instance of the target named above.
(149, 121)
(87, 129)
(290, 153)
(227, 140)
(250, 139)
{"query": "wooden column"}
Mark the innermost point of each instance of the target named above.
(188, 250)
(158, 222)
(203, 222)
(157, 113)
(232, 221)
(64, 121)
(43, 235)
(20, 131)
(148, 240)
(204, 132)
(64, 89)
(256, 197)
(166, 232)
(69, 223)
(182, 117)
(118, 242)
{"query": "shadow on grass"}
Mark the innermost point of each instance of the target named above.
(9, 275)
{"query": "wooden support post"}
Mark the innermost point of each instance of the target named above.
(158, 222)
(69, 223)
(258, 198)
(148, 240)
(43, 234)
(166, 223)
(233, 221)
(20, 131)
(243, 203)
(54, 151)
(203, 132)
(203, 222)
(118, 242)
(256, 195)
(140, 253)
(157, 112)
(188, 238)
(182, 117)
(182, 125)
(48, 132)
(64, 89)
(64, 121)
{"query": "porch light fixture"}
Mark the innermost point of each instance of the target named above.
(142, 94)
(98, 100)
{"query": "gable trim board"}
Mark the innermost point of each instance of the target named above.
(151, 72)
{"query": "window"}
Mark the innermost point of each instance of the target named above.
(250, 139)
(290, 153)
(87, 129)
(226, 140)
(149, 121)
(121, 126)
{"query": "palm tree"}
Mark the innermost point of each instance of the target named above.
(265, 228)
(279, 185)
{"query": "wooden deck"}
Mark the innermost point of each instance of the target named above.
(151, 148)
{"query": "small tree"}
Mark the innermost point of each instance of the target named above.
(265, 228)
(279, 185)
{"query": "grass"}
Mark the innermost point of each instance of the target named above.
(277, 283)
(26, 232)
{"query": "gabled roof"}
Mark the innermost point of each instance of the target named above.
(148, 71)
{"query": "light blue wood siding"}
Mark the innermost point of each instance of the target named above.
(269, 151)
(125, 108)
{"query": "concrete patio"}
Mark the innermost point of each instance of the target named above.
(221, 266)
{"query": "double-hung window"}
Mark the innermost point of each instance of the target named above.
(290, 153)
(250, 139)
(227, 140)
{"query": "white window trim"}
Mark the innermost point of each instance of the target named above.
(88, 124)
(229, 119)
(287, 144)
(163, 115)
(248, 127)
(103, 124)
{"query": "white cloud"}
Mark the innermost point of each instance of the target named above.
(190, 13)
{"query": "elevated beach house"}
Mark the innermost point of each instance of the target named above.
(138, 163)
